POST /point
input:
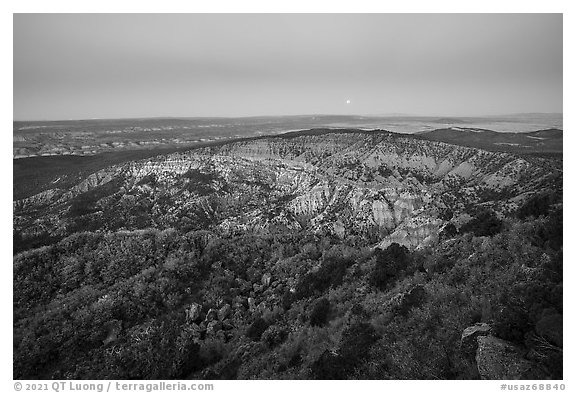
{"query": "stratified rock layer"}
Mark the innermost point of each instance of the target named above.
(382, 186)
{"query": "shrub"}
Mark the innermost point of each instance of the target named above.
(413, 298)
(328, 366)
(484, 224)
(358, 310)
(449, 231)
(274, 335)
(389, 264)
(512, 323)
(330, 275)
(256, 329)
(550, 233)
(536, 206)
(319, 314)
(354, 346)
(356, 341)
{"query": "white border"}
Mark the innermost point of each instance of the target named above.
(247, 6)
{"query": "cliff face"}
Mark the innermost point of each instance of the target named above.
(383, 186)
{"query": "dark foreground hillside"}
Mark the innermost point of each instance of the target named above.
(162, 304)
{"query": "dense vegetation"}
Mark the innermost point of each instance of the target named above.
(122, 305)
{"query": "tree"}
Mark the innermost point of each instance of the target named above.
(319, 314)
(484, 224)
(256, 329)
(389, 264)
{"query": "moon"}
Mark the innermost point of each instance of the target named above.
(347, 101)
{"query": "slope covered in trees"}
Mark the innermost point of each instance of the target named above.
(284, 305)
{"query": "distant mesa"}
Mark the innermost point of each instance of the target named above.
(450, 120)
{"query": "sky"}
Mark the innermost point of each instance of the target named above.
(82, 66)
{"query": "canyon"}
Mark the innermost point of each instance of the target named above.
(379, 185)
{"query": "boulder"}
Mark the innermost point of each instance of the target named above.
(227, 325)
(193, 312)
(251, 304)
(224, 312)
(246, 287)
(262, 306)
(266, 279)
(469, 339)
(239, 302)
(213, 327)
(196, 330)
(211, 315)
(500, 359)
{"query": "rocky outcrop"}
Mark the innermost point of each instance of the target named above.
(97, 179)
(469, 339)
(500, 359)
(266, 278)
(213, 327)
(414, 232)
(193, 312)
(251, 304)
(41, 199)
(224, 312)
(211, 315)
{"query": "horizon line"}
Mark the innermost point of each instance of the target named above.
(294, 115)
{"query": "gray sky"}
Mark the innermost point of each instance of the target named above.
(144, 65)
